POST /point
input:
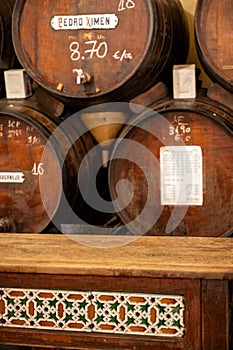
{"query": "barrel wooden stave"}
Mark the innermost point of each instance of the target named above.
(7, 53)
(211, 128)
(123, 61)
(24, 206)
(213, 38)
(25, 131)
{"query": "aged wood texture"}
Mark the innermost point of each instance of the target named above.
(86, 53)
(214, 37)
(95, 342)
(189, 288)
(7, 54)
(218, 93)
(110, 277)
(216, 315)
(202, 123)
(163, 257)
(158, 92)
(198, 268)
(38, 164)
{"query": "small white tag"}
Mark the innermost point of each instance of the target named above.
(17, 83)
(12, 177)
(184, 81)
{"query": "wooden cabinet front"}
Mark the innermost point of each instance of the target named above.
(174, 293)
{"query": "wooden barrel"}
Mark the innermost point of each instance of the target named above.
(176, 161)
(34, 173)
(86, 52)
(213, 37)
(7, 53)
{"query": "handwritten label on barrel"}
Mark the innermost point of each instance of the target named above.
(12, 177)
(96, 21)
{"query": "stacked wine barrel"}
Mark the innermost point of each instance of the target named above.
(87, 53)
(89, 56)
(181, 172)
(214, 35)
(195, 134)
(7, 53)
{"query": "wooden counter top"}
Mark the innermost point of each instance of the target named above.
(167, 257)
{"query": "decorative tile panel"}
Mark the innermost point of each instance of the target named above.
(159, 315)
(121, 313)
(46, 309)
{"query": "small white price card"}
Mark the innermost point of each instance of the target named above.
(184, 81)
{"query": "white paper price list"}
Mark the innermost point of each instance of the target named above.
(181, 175)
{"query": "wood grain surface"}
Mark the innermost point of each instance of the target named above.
(117, 61)
(167, 257)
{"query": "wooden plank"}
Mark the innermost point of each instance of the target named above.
(215, 315)
(218, 93)
(172, 257)
(88, 341)
(154, 94)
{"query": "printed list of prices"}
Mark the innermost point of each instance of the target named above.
(181, 175)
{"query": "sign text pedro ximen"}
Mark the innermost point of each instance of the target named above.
(96, 21)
